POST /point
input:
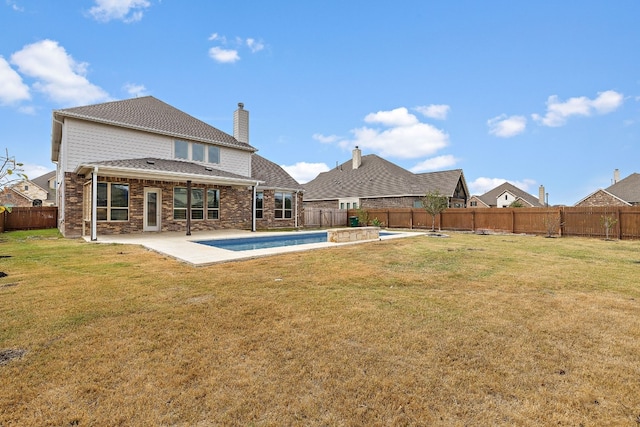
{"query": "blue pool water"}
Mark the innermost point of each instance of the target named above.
(264, 242)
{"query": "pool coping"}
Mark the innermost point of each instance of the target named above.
(184, 248)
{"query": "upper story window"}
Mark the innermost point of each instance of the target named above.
(196, 151)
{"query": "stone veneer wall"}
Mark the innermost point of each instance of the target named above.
(601, 198)
(353, 234)
(235, 208)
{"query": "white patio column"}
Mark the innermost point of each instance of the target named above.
(94, 204)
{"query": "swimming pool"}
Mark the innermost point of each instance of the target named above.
(265, 242)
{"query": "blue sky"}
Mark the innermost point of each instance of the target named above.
(535, 93)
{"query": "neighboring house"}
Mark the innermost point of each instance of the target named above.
(625, 192)
(141, 165)
(506, 195)
(38, 191)
(373, 182)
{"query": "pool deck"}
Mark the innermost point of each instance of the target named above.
(184, 248)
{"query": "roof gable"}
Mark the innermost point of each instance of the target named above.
(146, 114)
(490, 198)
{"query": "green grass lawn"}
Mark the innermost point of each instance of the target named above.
(465, 330)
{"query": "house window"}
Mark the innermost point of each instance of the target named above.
(26, 188)
(181, 150)
(196, 151)
(259, 204)
(213, 154)
(341, 205)
(417, 204)
(112, 202)
(213, 203)
(474, 203)
(283, 204)
(197, 203)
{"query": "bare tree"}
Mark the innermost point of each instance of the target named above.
(434, 203)
(608, 222)
(10, 171)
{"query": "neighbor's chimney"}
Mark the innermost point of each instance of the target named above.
(616, 175)
(357, 157)
(241, 124)
(541, 197)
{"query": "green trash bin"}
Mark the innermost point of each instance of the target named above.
(353, 221)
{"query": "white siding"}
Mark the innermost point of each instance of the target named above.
(89, 142)
(85, 142)
(505, 199)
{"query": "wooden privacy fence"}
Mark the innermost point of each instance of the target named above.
(556, 221)
(29, 218)
(317, 217)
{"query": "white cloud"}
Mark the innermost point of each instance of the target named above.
(254, 46)
(401, 135)
(14, 6)
(434, 111)
(123, 10)
(325, 139)
(506, 127)
(58, 75)
(35, 171)
(398, 117)
(435, 163)
(482, 185)
(559, 112)
(305, 172)
(12, 88)
(224, 55)
(135, 90)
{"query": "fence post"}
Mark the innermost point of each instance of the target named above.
(618, 225)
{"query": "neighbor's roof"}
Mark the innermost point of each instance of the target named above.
(627, 189)
(146, 114)
(165, 170)
(490, 197)
(377, 177)
(272, 174)
(43, 180)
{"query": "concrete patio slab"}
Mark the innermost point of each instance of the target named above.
(184, 248)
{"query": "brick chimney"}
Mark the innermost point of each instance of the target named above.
(541, 196)
(357, 157)
(616, 175)
(241, 124)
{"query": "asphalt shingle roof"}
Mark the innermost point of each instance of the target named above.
(377, 177)
(272, 174)
(152, 115)
(171, 166)
(627, 189)
(490, 197)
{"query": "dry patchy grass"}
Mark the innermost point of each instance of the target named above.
(469, 330)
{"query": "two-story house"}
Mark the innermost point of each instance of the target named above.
(141, 165)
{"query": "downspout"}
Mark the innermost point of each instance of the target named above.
(94, 204)
(296, 210)
(188, 208)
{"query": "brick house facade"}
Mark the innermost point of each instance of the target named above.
(119, 174)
